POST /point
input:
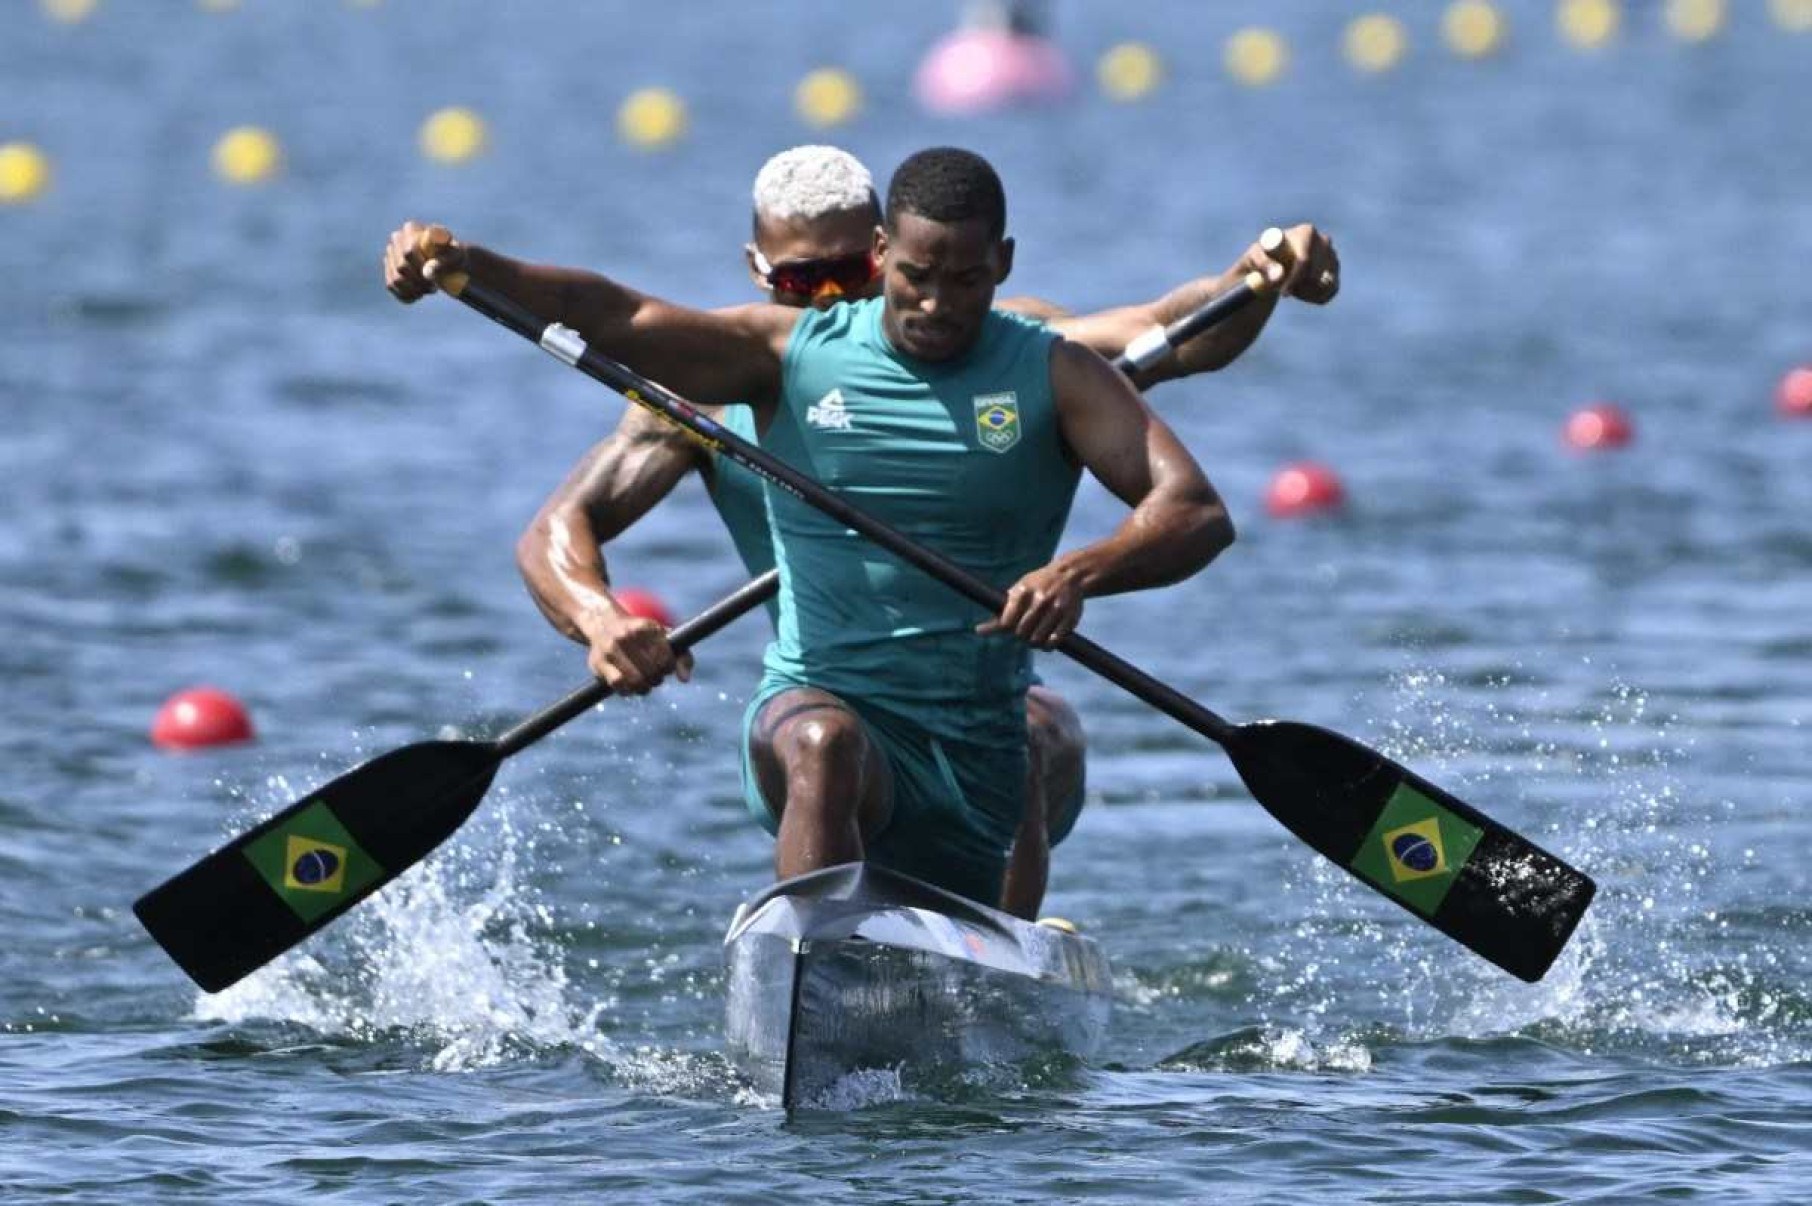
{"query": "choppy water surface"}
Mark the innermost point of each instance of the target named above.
(230, 458)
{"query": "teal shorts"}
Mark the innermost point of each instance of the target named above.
(956, 804)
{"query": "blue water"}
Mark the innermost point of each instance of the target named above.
(231, 458)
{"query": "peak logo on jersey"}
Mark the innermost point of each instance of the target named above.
(997, 421)
(829, 413)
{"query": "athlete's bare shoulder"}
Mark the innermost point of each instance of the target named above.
(765, 321)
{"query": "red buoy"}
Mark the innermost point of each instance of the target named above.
(1598, 427)
(643, 603)
(199, 717)
(1304, 488)
(1794, 398)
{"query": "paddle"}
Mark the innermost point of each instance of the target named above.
(274, 885)
(1156, 345)
(1483, 885)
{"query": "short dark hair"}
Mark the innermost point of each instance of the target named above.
(948, 184)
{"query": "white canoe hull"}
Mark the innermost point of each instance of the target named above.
(857, 968)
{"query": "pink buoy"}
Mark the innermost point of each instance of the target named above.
(200, 717)
(645, 604)
(1304, 488)
(975, 70)
(1598, 427)
(1794, 398)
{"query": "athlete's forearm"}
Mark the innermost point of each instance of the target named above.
(712, 358)
(618, 481)
(1108, 332)
(1218, 346)
(595, 306)
(1166, 538)
(563, 567)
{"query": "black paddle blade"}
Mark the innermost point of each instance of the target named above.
(1489, 889)
(272, 886)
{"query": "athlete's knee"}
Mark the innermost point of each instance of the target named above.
(826, 737)
(824, 762)
(806, 726)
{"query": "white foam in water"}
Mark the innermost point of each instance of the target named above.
(446, 953)
(1632, 976)
(1273, 1048)
(861, 1089)
(1297, 1051)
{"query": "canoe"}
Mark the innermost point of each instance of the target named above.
(857, 969)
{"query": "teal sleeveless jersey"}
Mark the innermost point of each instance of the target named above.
(738, 496)
(966, 458)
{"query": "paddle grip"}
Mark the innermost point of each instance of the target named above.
(429, 244)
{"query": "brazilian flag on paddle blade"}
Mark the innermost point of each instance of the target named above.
(311, 862)
(1416, 849)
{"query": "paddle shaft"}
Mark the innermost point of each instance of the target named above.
(1156, 345)
(568, 346)
(705, 623)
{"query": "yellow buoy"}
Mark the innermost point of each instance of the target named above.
(1695, 20)
(1256, 56)
(1794, 16)
(828, 96)
(218, 6)
(1375, 42)
(69, 12)
(247, 155)
(1129, 71)
(652, 117)
(1473, 28)
(24, 172)
(452, 135)
(1589, 24)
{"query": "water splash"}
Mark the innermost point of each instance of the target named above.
(1662, 966)
(453, 956)
(1272, 1049)
(861, 1089)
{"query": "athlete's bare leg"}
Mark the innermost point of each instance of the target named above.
(822, 776)
(1054, 767)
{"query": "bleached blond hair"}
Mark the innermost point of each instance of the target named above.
(811, 181)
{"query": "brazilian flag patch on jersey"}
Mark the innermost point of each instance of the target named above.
(311, 862)
(997, 421)
(1416, 849)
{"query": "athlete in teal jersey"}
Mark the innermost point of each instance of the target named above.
(739, 498)
(963, 456)
(814, 210)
